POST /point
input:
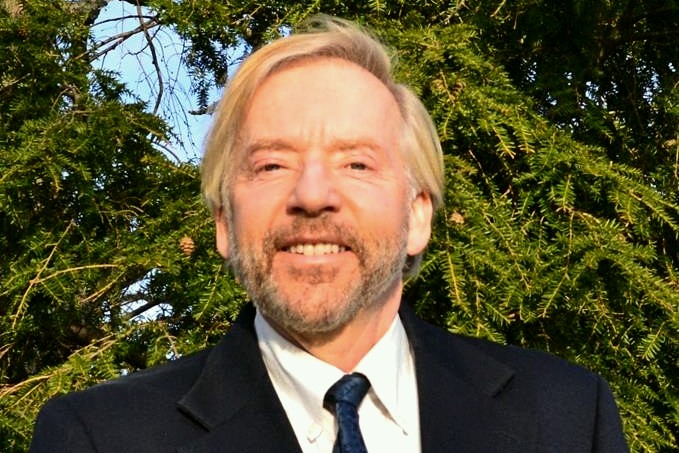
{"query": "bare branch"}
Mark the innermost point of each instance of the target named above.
(168, 151)
(120, 38)
(139, 310)
(136, 2)
(154, 59)
(129, 16)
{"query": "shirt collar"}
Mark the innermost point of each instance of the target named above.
(386, 365)
(298, 372)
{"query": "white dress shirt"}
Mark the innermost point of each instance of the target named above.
(388, 415)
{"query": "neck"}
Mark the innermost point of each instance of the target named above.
(345, 347)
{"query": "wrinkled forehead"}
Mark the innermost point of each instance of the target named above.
(316, 97)
(298, 65)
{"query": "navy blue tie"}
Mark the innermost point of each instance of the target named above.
(343, 399)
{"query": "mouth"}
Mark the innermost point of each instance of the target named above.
(315, 249)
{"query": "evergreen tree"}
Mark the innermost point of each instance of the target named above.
(560, 230)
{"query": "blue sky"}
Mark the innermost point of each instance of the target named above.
(132, 60)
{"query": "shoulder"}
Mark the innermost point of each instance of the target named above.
(527, 360)
(567, 404)
(138, 409)
(469, 355)
(528, 370)
(169, 381)
(548, 380)
(143, 411)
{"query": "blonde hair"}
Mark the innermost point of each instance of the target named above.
(322, 37)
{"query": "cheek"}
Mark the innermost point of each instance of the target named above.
(244, 224)
(253, 212)
(386, 206)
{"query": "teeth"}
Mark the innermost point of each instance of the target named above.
(315, 249)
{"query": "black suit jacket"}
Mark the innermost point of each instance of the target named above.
(474, 396)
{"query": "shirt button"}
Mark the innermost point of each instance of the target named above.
(314, 432)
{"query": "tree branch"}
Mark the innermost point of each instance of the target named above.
(139, 310)
(154, 59)
(120, 38)
(128, 16)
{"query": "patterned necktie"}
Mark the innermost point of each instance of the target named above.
(343, 399)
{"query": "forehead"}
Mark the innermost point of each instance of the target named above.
(323, 96)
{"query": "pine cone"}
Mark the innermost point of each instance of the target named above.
(187, 246)
(457, 218)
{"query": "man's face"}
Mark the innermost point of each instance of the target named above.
(322, 213)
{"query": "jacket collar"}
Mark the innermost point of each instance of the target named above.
(234, 400)
(460, 390)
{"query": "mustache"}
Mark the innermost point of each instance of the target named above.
(323, 229)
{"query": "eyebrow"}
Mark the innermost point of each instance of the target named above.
(274, 144)
(334, 145)
(354, 144)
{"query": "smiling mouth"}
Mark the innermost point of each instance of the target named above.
(315, 249)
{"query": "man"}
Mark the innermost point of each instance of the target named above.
(323, 175)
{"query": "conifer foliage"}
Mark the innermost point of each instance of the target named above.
(560, 125)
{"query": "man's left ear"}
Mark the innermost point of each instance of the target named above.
(419, 223)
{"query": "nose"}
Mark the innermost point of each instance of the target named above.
(315, 191)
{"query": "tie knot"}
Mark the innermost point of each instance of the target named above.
(350, 389)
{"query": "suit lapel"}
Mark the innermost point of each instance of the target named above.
(234, 400)
(460, 390)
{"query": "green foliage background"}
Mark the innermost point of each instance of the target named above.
(560, 125)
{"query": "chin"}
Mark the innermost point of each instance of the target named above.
(311, 317)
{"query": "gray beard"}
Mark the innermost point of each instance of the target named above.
(381, 263)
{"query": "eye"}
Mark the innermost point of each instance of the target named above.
(267, 167)
(270, 167)
(358, 166)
